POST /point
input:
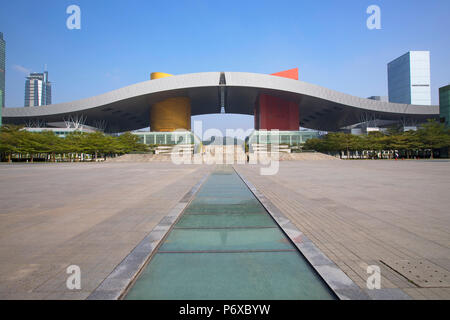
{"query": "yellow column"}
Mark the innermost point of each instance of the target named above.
(170, 114)
(159, 75)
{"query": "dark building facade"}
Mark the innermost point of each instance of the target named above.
(444, 104)
(2, 69)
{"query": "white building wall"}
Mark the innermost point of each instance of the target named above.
(409, 78)
(420, 77)
(39, 92)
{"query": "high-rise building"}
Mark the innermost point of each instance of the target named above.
(38, 90)
(2, 69)
(1, 108)
(409, 78)
(379, 98)
(444, 104)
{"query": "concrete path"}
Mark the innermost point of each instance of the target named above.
(90, 215)
(394, 214)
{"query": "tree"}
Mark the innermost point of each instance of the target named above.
(30, 143)
(129, 142)
(51, 143)
(73, 143)
(111, 146)
(375, 141)
(431, 135)
(412, 142)
(341, 141)
(9, 140)
(95, 143)
(434, 135)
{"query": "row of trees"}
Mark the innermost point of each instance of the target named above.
(432, 135)
(18, 143)
(15, 142)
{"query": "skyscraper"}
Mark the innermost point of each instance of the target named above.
(38, 90)
(444, 104)
(1, 108)
(379, 98)
(409, 78)
(2, 69)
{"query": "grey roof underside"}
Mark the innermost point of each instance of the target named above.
(128, 108)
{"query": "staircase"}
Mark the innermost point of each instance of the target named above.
(147, 157)
(224, 154)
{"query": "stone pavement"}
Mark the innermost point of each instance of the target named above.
(90, 215)
(394, 214)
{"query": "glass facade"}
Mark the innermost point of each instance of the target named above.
(2, 69)
(1, 107)
(167, 138)
(444, 104)
(38, 90)
(292, 138)
(409, 78)
(61, 132)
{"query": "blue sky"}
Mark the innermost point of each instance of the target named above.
(122, 42)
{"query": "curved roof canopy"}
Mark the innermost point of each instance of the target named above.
(128, 108)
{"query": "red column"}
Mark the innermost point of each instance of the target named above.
(276, 113)
(272, 112)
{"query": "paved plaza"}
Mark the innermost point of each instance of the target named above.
(393, 214)
(90, 215)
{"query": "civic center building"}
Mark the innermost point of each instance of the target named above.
(166, 103)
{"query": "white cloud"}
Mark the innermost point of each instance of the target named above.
(21, 69)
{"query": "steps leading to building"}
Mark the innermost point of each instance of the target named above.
(147, 157)
(282, 156)
(264, 148)
(229, 155)
(308, 156)
(189, 148)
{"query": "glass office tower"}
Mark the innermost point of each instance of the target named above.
(2, 69)
(1, 108)
(38, 90)
(444, 104)
(409, 78)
